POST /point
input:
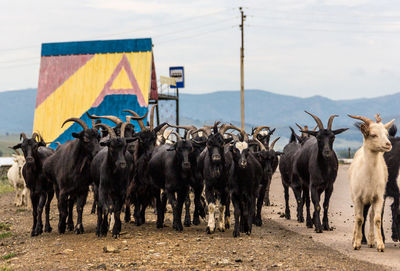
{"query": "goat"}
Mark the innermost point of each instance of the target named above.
(69, 169)
(171, 171)
(392, 189)
(268, 158)
(368, 176)
(111, 170)
(213, 168)
(244, 177)
(316, 167)
(14, 176)
(41, 190)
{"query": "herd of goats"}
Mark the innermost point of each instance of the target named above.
(156, 165)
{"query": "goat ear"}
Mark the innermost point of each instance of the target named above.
(228, 140)
(339, 131)
(105, 143)
(18, 146)
(313, 133)
(76, 135)
(389, 124)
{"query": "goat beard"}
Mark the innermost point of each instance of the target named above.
(216, 171)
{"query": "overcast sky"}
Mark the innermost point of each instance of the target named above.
(340, 49)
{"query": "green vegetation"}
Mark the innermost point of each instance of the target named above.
(5, 268)
(5, 235)
(5, 187)
(9, 256)
(5, 227)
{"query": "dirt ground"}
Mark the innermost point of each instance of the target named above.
(270, 247)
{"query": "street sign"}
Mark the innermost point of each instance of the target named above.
(164, 80)
(179, 75)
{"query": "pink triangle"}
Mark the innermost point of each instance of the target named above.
(124, 63)
(55, 70)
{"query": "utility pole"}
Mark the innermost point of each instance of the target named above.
(243, 17)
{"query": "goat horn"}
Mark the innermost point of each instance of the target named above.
(317, 120)
(110, 130)
(36, 137)
(300, 127)
(22, 135)
(262, 147)
(152, 116)
(166, 133)
(58, 143)
(364, 119)
(204, 130)
(330, 121)
(77, 120)
(178, 137)
(141, 124)
(226, 127)
(162, 130)
(186, 127)
(137, 117)
(378, 118)
(271, 147)
(258, 129)
(114, 119)
(16, 151)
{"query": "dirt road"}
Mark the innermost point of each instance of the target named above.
(277, 245)
(341, 218)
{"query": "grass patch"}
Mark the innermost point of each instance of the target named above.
(5, 227)
(5, 235)
(5, 187)
(9, 256)
(19, 210)
(5, 268)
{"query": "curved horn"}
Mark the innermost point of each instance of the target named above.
(186, 127)
(36, 137)
(273, 143)
(114, 119)
(58, 143)
(22, 135)
(330, 121)
(152, 116)
(141, 123)
(258, 129)
(301, 128)
(178, 137)
(123, 127)
(162, 131)
(167, 133)
(77, 120)
(16, 151)
(226, 127)
(262, 147)
(364, 119)
(110, 130)
(317, 120)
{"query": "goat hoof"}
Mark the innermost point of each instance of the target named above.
(48, 228)
(70, 227)
(127, 219)
(196, 221)
(309, 224)
(318, 230)
(79, 229)
(300, 219)
(187, 223)
(209, 231)
(160, 225)
(258, 222)
(236, 234)
(178, 226)
(227, 223)
(267, 203)
(287, 215)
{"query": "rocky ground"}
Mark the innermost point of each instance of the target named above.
(270, 247)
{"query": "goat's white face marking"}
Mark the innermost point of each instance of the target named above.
(241, 146)
(378, 137)
(263, 133)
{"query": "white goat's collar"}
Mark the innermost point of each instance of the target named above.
(241, 146)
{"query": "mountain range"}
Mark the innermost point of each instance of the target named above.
(261, 108)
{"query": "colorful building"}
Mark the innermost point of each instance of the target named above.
(99, 77)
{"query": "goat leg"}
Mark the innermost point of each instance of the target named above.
(50, 195)
(325, 220)
(187, 221)
(315, 195)
(70, 220)
(365, 213)
(236, 211)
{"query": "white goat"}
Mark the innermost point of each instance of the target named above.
(368, 176)
(16, 179)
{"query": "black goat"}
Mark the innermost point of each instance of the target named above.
(213, 169)
(171, 171)
(140, 192)
(111, 170)
(268, 158)
(69, 169)
(41, 190)
(244, 177)
(316, 166)
(392, 160)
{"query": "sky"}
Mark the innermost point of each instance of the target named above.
(340, 49)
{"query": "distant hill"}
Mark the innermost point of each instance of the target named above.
(261, 108)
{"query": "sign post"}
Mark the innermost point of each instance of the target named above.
(178, 74)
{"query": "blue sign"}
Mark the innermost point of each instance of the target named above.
(179, 75)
